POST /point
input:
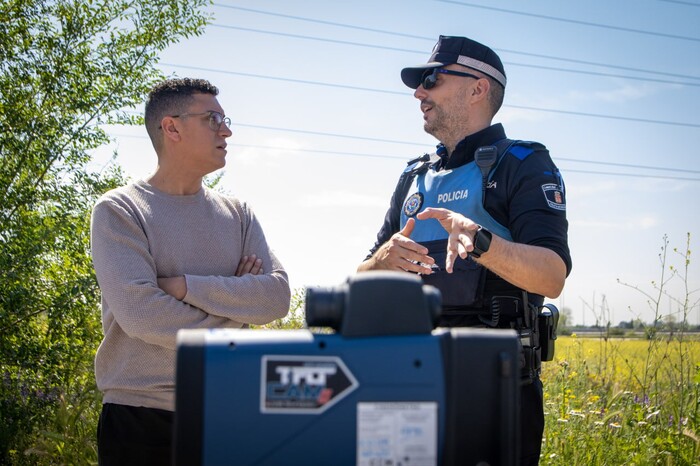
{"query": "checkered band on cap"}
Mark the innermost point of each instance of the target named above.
(479, 66)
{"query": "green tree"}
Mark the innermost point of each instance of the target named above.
(67, 67)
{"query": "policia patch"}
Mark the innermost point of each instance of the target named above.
(413, 204)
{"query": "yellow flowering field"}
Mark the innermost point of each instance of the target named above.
(612, 401)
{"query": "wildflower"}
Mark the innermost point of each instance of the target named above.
(654, 414)
(641, 423)
(615, 425)
(563, 421)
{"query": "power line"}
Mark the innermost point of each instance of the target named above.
(335, 135)
(396, 49)
(291, 80)
(633, 175)
(320, 21)
(320, 39)
(384, 91)
(404, 159)
(600, 115)
(606, 65)
(625, 165)
(432, 39)
(574, 21)
(681, 3)
(607, 75)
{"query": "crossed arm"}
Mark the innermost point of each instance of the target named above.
(153, 308)
(177, 286)
(535, 269)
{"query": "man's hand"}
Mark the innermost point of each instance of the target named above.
(249, 264)
(400, 253)
(177, 286)
(461, 232)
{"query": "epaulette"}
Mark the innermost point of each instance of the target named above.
(522, 149)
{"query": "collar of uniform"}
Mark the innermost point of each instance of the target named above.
(464, 152)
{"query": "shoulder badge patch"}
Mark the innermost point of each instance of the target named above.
(413, 204)
(554, 196)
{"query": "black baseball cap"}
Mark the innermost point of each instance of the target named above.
(460, 50)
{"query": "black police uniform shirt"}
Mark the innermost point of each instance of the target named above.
(524, 202)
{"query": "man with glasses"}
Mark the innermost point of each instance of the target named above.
(484, 218)
(169, 254)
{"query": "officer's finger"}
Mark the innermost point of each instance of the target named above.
(417, 256)
(462, 244)
(434, 212)
(450, 260)
(416, 267)
(413, 250)
(408, 228)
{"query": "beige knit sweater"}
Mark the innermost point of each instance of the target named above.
(139, 234)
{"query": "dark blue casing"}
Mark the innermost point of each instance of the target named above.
(231, 407)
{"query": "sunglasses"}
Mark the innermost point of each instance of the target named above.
(429, 79)
(216, 119)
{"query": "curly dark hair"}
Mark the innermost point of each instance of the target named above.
(171, 97)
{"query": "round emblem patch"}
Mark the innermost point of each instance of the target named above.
(413, 204)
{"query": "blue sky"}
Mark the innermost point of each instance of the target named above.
(323, 126)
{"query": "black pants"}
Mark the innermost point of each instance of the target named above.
(531, 422)
(129, 435)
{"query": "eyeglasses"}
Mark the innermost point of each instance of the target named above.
(429, 79)
(215, 119)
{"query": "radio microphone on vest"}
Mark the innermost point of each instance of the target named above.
(485, 157)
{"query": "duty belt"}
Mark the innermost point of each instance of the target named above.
(522, 316)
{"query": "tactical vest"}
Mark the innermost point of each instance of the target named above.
(460, 190)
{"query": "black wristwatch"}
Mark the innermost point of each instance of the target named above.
(482, 241)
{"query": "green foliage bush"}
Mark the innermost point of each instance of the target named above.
(67, 67)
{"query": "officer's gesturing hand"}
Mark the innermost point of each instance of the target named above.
(461, 232)
(400, 253)
(532, 268)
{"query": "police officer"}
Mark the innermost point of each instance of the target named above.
(484, 217)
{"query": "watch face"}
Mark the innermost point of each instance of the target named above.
(482, 241)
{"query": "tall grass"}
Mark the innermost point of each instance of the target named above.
(608, 401)
(600, 410)
(634, 402)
